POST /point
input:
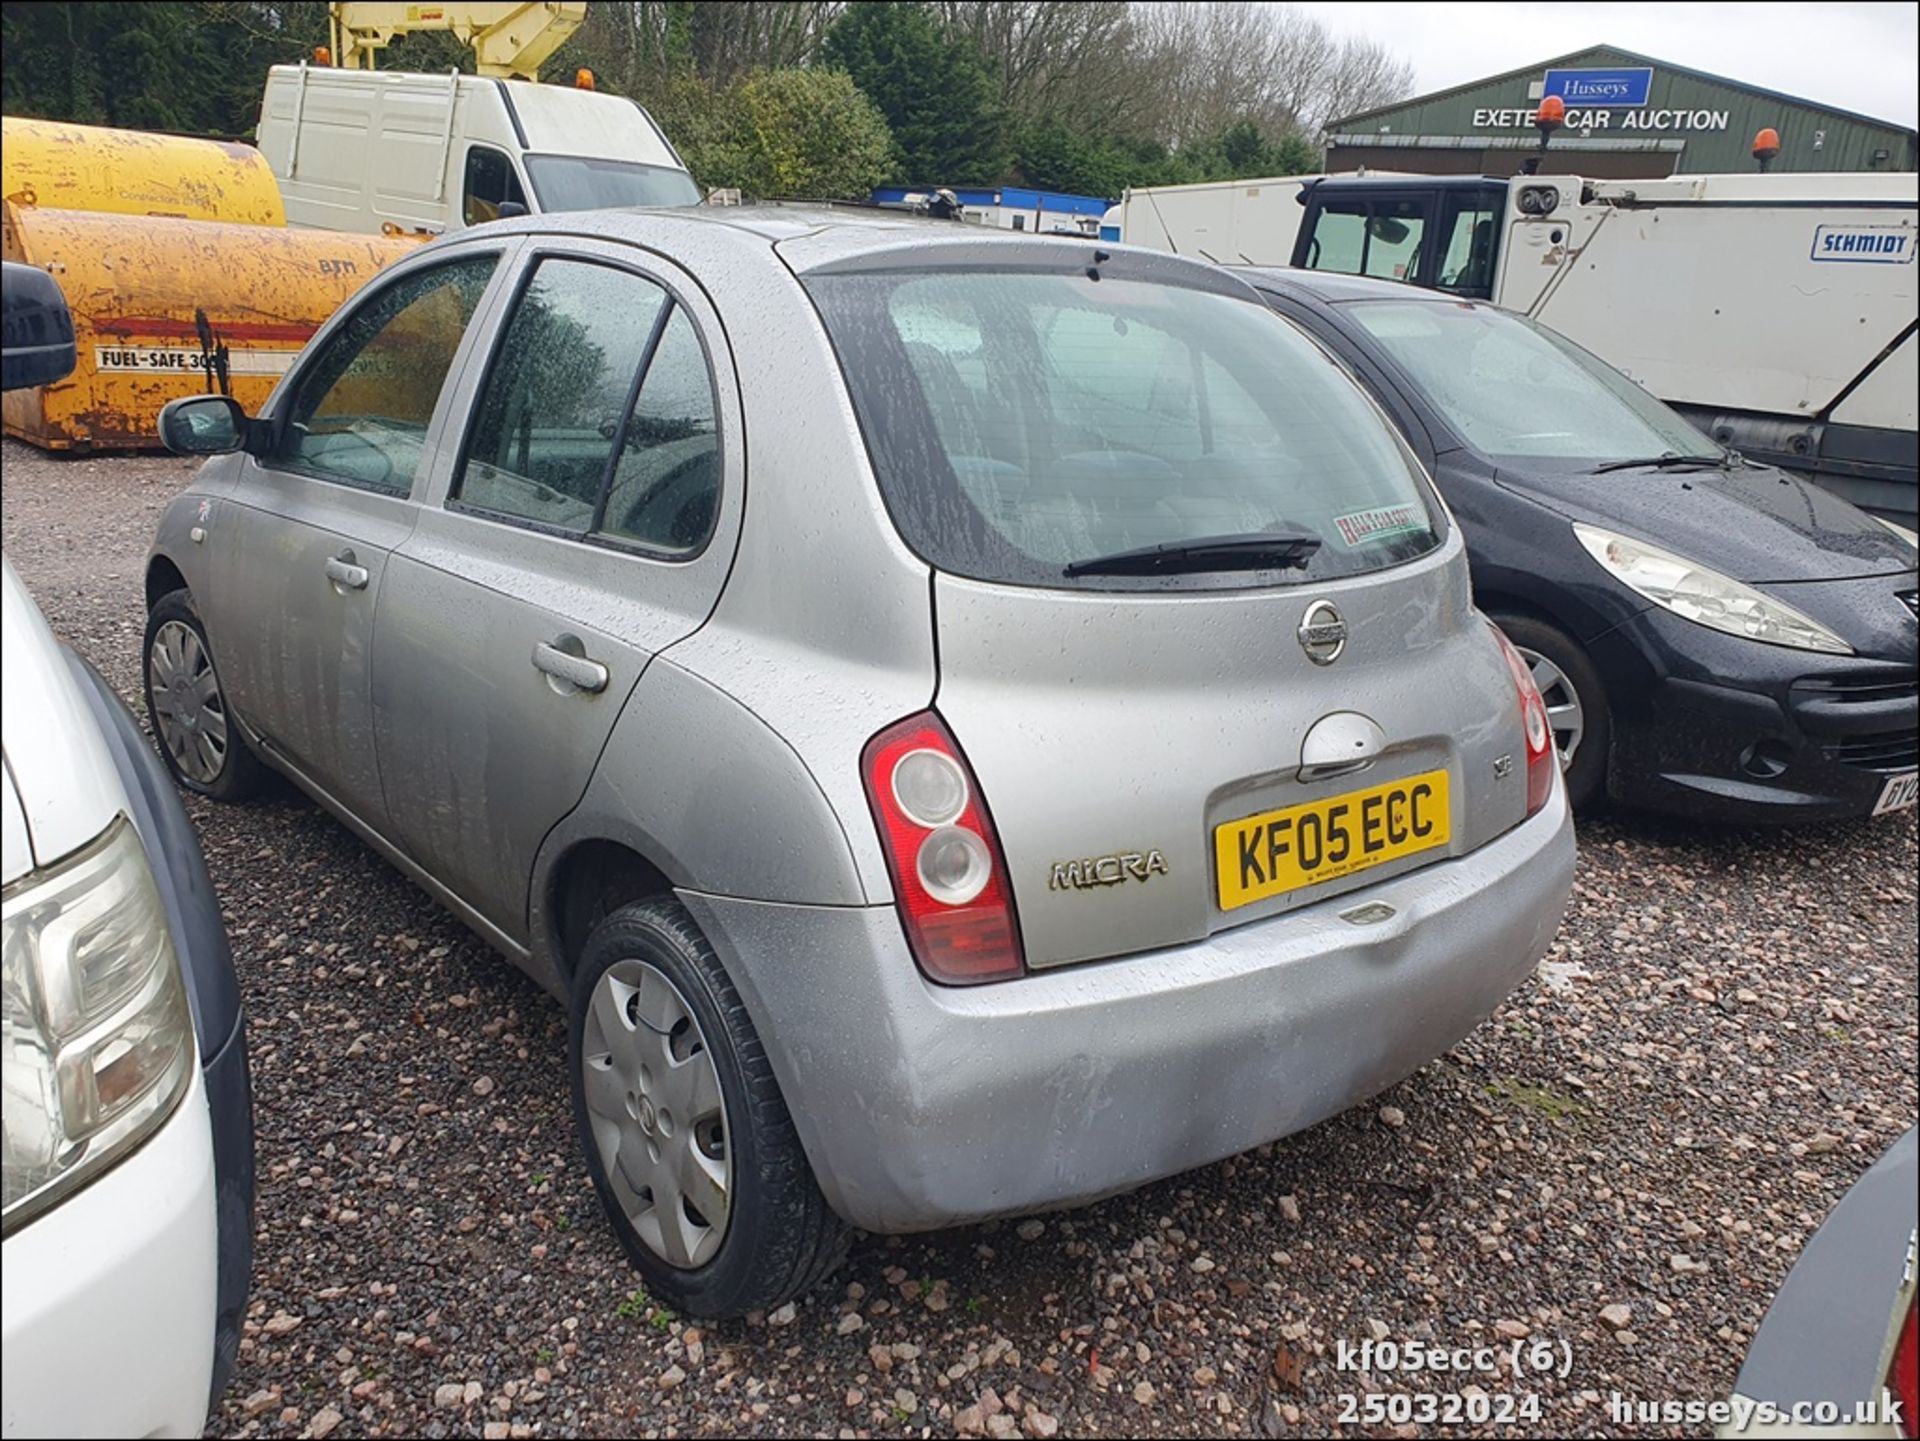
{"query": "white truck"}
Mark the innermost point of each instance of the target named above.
(374, 150)
(1229, 222)
(1775, 311)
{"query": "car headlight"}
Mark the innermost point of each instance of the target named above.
(1900, 530)
(96, 1039)
(1705, 596)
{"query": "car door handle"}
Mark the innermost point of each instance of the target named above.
(345, 574)
(576, 670)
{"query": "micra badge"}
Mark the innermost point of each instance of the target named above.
(1114, 870)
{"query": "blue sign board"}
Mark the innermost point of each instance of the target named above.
(1589, 88)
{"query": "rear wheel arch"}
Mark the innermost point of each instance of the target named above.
(589, 880)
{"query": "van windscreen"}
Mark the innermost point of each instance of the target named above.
(582, 182)
(1024, 423)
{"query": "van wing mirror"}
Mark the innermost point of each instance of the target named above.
(36, 347)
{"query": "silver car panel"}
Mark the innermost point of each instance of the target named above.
(298, 565)
(1122, 723)
(825, 630)
(295, 657)
(483, 747)
(709, 794)
(923, 1106)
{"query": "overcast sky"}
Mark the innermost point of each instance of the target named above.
(1858, 57)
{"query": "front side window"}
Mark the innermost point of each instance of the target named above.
(361, 407)
(597, 415)
(1022, 422)
(490, 182)
(1513, 389)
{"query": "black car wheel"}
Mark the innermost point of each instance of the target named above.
(1576, 703)
(199, 738)
(686, 1135)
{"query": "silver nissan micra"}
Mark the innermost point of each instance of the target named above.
(970, 722)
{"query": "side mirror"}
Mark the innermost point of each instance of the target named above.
(510, 210)
(203, 425)
(36, 329)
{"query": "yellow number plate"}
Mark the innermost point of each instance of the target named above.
(1304, 845)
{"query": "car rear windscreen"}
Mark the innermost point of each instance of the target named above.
(1020, 422)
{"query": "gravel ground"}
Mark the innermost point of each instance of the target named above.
(1723, 1039)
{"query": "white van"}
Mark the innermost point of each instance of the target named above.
(362, 150)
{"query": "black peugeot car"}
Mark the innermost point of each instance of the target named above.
(1715, 639)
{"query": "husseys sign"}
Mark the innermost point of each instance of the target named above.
(1603, 99)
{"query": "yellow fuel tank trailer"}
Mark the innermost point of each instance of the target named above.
(130, 172)
(164, 308)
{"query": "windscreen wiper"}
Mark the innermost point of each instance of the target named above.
(1669, 461)
(1260, 550)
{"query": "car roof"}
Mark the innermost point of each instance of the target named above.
(818, 238)
(1331, 288)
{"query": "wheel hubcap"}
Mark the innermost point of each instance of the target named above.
(655, 1109)
(187, 703)
(1565, 717)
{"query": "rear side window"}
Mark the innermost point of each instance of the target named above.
(597, 414)
(1020, 422)
(666, 478)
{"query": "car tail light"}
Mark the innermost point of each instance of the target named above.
(1904, 1379)
(1542, 763)
(949, 879)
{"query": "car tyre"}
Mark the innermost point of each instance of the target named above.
(1576, 703)
(626, 1029)
(198, 737)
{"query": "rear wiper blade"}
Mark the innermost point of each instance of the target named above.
(1261, 550)
(1669, 461)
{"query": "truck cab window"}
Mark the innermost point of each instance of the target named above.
(1378, 237)
(490, 180)
(1471, 225)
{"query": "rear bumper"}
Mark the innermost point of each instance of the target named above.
(923, 1106)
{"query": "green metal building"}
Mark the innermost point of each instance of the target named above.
(1628, 116)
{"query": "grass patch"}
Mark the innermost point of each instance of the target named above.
(1543, 1099)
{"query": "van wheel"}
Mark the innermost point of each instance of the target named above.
(686, 1136)
(1576, 703)
(199, 739)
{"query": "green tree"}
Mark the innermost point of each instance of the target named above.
(939, 98)
(816, 133)
(807, 133)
